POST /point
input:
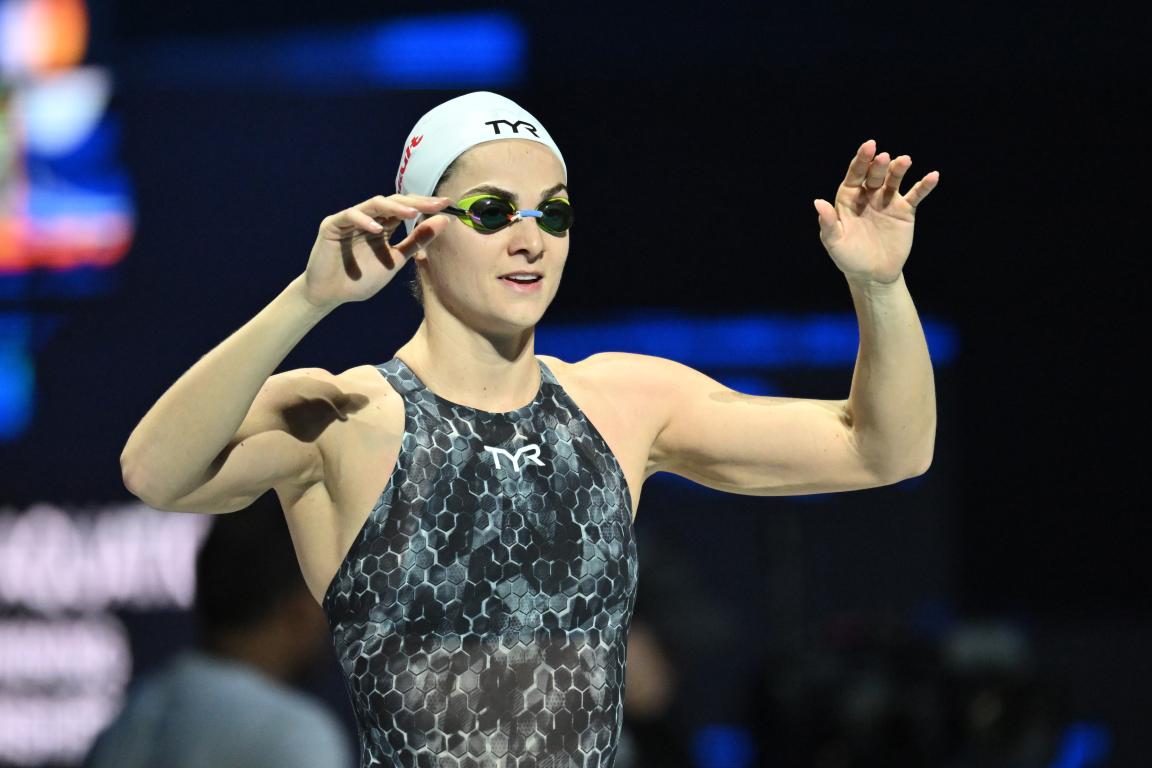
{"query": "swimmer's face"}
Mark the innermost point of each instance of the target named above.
(462, 267)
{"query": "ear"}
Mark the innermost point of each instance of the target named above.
(419, 257)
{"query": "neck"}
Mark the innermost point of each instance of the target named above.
(464, 366)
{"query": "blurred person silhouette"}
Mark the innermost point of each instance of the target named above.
(999, 711)
(879, 695)
(677, 619)
(232, 699)
(651, 737)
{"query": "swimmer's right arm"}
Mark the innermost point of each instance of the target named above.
(223, 433)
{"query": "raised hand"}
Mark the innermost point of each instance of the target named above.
(868, 232)
(352, 258)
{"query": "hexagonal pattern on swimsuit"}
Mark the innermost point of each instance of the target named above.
(481, 615)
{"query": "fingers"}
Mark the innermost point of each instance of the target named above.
(873, 172)
(858, 168)
(877, 171)
(830, 229)
(402, 206)
(349, 223)
(896, 172)
(895, 177)
(424, 233)
(379, 215)
(921, 189)
(361, 220)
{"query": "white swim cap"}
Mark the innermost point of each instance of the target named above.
(450, 129)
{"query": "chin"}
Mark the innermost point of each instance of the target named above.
(511, 322)
(521, 321)
(502, 315)
(523, 312)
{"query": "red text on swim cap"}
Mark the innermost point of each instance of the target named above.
(404, 164)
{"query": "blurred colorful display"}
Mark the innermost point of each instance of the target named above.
(66, 210)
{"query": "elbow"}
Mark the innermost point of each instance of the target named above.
(896, 473)
(922, 467)
(136, 482)
(918, 460)
(129, 475)
(917, 469)
(924, 459)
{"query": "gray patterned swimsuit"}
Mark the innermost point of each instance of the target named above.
(481, 615)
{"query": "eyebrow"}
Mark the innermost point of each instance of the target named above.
(501, 192)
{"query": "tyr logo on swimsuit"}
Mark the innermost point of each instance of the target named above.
(530, 452)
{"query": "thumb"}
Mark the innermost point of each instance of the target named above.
(424, 233)
(829, 221)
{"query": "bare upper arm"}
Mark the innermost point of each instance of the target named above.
(748, 444)
(278, 445)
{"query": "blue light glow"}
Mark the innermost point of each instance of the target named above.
(75, 282)
(466, 50)
(17, 376)
(471, 50)
(1084, 744)
(749, 385)
(16, 380)
(722, 746)
(747, 341)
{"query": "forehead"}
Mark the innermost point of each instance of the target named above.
(518, 165)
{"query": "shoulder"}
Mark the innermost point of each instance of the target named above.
(304, 380)
(612, 363)
(623, 372)
(289, 389)
(319, 377)
(350, 388)
(639, 390)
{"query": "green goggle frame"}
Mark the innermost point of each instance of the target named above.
(487, 213)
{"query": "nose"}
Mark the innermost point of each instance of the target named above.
(526, 238)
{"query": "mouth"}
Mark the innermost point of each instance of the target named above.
(522, 280)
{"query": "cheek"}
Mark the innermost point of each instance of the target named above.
(561, 250)
(452, 261)
(443, 253)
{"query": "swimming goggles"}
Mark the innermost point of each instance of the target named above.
(487, 213)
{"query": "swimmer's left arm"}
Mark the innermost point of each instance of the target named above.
(884, 432)
(777, 446)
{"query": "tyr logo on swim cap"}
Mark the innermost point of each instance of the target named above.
(452, 128)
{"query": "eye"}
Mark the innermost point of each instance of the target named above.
(557, 216)
(491, 213)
